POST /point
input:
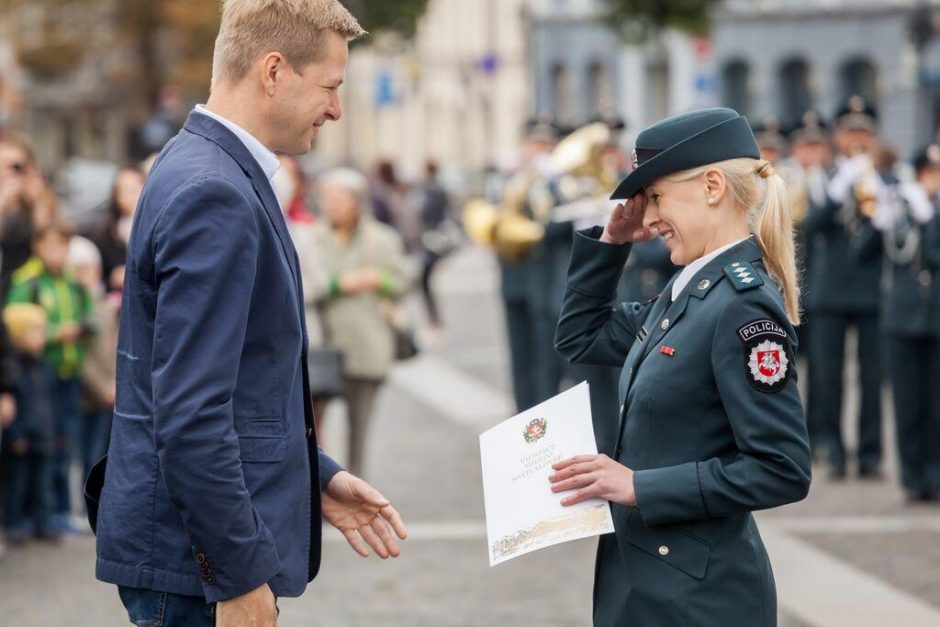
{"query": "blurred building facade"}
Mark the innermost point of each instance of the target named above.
(781, 57)
(64, 89)
(457, 93)
(583, 68)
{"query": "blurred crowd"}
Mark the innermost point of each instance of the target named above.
(364, 240)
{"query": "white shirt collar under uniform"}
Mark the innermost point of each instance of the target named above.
(265, 158)
(689, 272)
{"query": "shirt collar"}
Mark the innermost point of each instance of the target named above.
(689, 272)
(266, 159)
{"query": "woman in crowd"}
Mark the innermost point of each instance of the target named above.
(364, 274)
(712, 425)
(112, 234)
(26, 204)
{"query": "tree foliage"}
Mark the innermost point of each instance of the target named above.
(638, 19)
(400, 16)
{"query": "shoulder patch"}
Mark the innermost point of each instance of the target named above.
(743, 276)
(768, 358)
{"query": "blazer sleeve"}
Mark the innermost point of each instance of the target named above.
(591, 329)
(205, 249)
(772, 465)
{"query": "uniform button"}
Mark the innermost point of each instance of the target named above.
(201, 558)
(664, 550)
(704, 284)
(210, 579)
(665, 324)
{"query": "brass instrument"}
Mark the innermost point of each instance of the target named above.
(866, 196)
(584, 181)
(578, 189)
(866, 187)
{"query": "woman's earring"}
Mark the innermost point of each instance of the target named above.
(711, 201)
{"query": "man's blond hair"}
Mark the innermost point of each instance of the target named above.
(295, 28)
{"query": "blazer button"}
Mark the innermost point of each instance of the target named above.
(664, 550)
(201, 558)
(210, 579)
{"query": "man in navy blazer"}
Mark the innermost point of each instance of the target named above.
(211, 498)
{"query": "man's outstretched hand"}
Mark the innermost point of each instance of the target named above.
(363, 515)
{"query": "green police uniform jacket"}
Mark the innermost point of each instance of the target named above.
(712, 424)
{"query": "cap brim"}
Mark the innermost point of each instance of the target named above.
(701, 149)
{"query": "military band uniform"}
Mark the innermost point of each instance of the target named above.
(710, 437)
(844, 291)
(911, 324)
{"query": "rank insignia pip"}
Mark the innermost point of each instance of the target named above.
(768, 359)
(743, 276)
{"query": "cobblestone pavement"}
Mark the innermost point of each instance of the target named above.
(423, 453)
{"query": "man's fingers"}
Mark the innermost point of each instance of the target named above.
(381, 528)
(369, 494)
(356, 542)
(369, 535)
(390, 514)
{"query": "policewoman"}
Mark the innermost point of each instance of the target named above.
(712, 425)
(911, 322)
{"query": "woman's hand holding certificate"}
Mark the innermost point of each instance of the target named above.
(593, 476)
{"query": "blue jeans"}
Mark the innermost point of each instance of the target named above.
(149, 608)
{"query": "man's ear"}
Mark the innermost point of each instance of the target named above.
(273, 67)
(716, 184)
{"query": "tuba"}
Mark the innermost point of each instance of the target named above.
(505, 229)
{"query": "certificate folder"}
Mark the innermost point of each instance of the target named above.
(522, 513)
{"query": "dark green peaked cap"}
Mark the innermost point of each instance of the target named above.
(684, 141)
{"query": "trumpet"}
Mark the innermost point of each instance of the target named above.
(865, 189)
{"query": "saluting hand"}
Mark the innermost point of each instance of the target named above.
(593, 476)
(360, 512)
(626, 222)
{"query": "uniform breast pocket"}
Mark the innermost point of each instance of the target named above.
(262, 439)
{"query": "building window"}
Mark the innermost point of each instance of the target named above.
(795, 96)
(600, 91)
(735, 86)
(562, 96)
(860, 77)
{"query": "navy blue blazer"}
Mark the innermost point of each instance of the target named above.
(213, 476)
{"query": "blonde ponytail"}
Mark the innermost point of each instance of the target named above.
(770, 221)
(774, 231)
